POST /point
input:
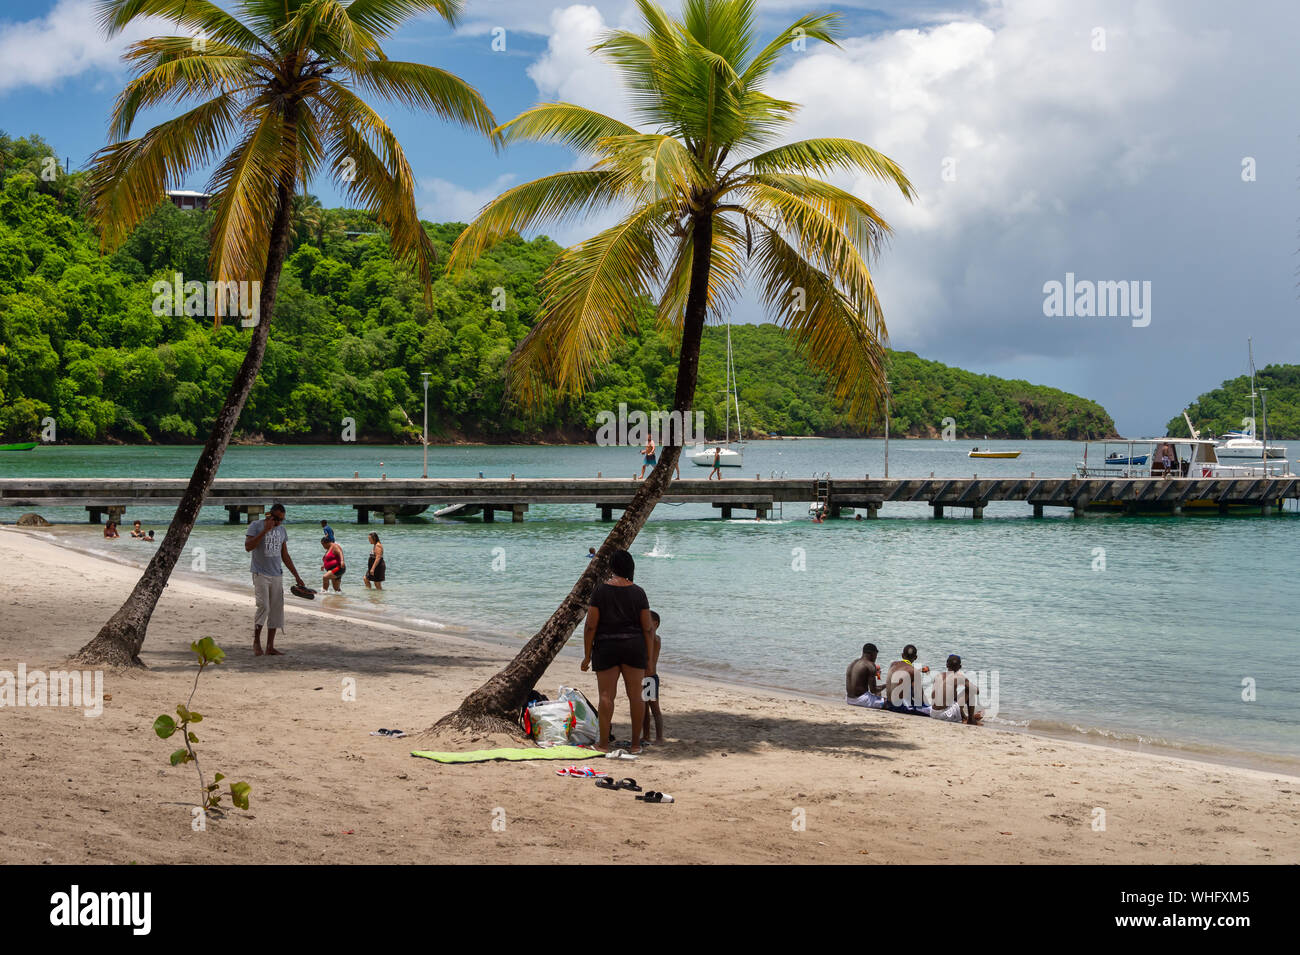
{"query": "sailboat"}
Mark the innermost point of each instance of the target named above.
(1243, 444)
(727, 457)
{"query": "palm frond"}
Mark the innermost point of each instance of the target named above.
(591, 294)
(847, 342)
(565, 125)
(557, 198)
(427, 88)
(204, 18)
(820, 156)
(127, 178)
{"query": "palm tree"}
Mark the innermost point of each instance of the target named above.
(706, 194)
(279, 81)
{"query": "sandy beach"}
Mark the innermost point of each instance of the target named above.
(744, 767)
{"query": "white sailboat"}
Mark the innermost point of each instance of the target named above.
(1243, 445)
(705, 455)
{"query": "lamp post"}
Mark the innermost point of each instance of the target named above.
(425, 376)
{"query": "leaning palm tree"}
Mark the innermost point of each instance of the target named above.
(277, 90)
(705, 195)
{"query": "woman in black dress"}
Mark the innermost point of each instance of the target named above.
(375, 569)
(616, 642)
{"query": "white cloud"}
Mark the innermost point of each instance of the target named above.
(443, 201)
(569, 72)
(64, 43)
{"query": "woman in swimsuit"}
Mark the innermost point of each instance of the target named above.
(375, 569)
(717, 464)
(332, 564)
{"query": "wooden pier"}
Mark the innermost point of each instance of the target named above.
(394, 498)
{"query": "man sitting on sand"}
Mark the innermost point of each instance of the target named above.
(954, 697)
(860, 686)
(268, 542)
(905, 693)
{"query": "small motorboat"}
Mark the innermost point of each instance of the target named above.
(21, 446)
(977, 453)
(1116, 458)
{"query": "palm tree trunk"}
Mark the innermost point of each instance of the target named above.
(119, 641)
(494, 707)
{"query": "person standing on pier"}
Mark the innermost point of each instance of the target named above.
(647, 455)
(268, 543)
(717, 463)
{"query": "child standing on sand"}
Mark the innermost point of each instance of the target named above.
(651, 686)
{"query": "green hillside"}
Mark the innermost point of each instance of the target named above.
(1224, 408)
(82, 342)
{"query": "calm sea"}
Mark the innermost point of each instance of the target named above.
(1126, 629)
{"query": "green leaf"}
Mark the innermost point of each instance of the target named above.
(239, 794)
(217, 778)
(195, 717)
(182, 712)
(180, 756)
(208, 651)
(164, 726)
(192, 738)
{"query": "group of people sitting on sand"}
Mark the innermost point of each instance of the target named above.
(953, 697)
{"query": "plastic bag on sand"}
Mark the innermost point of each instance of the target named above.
(569, 719)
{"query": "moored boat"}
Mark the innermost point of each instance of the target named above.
(20, 446)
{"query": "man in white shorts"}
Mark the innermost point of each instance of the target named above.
(860, 685)
(268, 542)
(955, 697)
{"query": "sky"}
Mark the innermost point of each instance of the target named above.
(1153, 142)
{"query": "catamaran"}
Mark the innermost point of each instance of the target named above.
(726, 456)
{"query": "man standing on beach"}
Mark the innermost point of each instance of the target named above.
(860, 686)
(268, 542)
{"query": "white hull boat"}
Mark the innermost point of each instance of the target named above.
(729, 458)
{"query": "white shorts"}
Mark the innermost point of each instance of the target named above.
(868, 699)
(268, 594)
(952, 714)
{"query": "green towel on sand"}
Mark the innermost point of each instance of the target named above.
(514, 755)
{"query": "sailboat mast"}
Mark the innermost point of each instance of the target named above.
(735, 386)
(1250, 350)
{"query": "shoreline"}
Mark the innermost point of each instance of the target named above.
(1092, 736)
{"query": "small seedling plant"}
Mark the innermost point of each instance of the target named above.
(209, 654)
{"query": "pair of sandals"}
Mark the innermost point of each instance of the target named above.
(582, 772)
(608, 782)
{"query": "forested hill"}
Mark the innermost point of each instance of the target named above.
(1227, 407)
(82, 340)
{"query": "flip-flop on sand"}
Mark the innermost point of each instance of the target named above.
(388, 734)
(582, 772)
(620, 754)
(627, 783)
(653, 796)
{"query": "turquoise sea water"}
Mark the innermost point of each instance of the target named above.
(1154, 647)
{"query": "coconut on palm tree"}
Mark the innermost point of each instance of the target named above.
(709, 199)
(275, 89)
